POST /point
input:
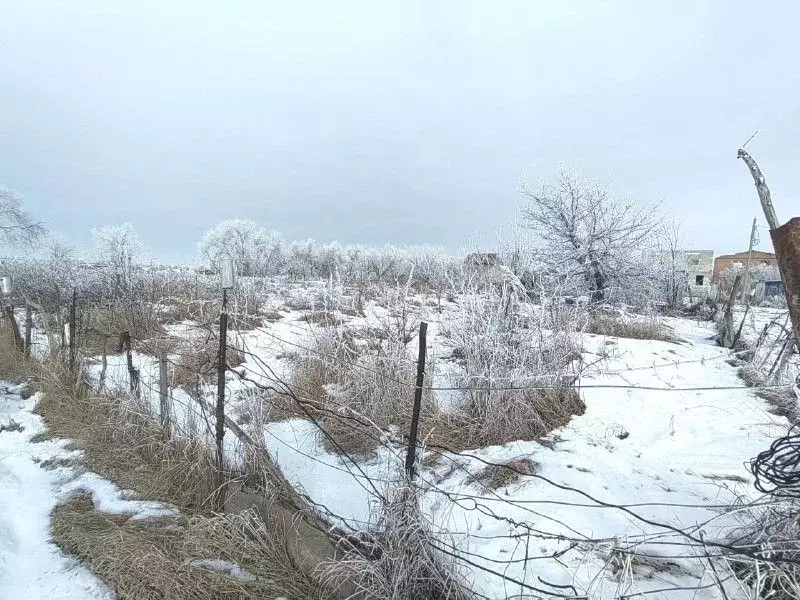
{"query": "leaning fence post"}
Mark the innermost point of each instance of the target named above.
(411, 456)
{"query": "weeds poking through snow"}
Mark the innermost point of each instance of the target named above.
(404, 562)
(633, 329)
(515, 371)
(498, 476)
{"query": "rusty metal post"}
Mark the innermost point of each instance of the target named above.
(786, 240)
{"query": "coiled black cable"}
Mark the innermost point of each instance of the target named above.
(777, 469)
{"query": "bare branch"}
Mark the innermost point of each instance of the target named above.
(761, 187)
(17, 228)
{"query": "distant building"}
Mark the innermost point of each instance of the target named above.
(699, 268)
(726, 261)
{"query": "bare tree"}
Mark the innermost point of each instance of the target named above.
(583, 227)
(17, 227)
(670, 264)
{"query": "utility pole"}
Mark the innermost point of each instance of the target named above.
(746, 278)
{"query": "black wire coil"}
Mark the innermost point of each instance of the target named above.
(777, 470)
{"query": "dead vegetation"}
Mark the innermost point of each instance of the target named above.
(174, 558)
(13, 364)
(514, 375)
(632, 329)
(359, 392)
(504, 474)
(267, 552)
(499, 416)
(323, 318)
(196, 359)
(123, 441)
(405, 563)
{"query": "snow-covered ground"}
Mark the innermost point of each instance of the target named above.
(653, 438)
(667, 433)
(34, 477)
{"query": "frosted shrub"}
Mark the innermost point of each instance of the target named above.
(515, 372)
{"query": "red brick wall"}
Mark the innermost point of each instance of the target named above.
(721, 263)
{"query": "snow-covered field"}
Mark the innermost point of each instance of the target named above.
(663, 444)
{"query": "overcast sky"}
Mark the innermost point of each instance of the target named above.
(392, 122)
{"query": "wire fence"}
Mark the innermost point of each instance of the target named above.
(391, 442)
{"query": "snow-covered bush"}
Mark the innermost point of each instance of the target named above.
(514, 370)
(259, 253)
(406, 562)
(362, 378)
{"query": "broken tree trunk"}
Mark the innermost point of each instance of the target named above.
(761, 187)
(785, 240)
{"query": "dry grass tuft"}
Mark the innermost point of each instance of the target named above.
(323, 318)
(502, 475)
(637, 330)
(123, 441)
(358, 392)
(13, 364)
(177, 558)
(499, 416)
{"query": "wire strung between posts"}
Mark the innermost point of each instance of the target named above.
(777, 469)
(520, 388)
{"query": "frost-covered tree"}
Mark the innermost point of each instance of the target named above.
(246, 242)
(118, 247)
(584, 228)
(17, 227)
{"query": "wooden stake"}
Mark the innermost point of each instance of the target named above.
(411, 456)
(163, 393)
(28, 327)
(72, 331)
(221, 368)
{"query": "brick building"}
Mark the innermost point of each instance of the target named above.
(725, 261)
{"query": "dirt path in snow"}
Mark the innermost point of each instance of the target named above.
(31, 566)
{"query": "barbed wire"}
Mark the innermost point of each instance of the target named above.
(599, 503)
